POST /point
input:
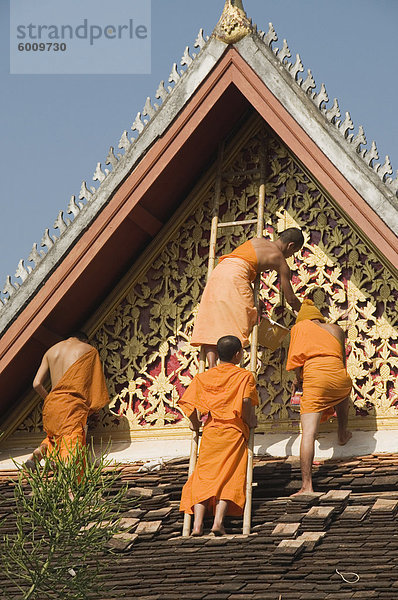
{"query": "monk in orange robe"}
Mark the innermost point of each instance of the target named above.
(227, 394)
(227, 304)
(317, 355)
(78, 390)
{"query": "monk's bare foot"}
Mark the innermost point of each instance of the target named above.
(197, 531)
(303, 491)
(344, 438)
(218, 530)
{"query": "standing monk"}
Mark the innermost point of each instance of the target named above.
(317, 355)
(227, 304)
(78, 389)
(227, 394)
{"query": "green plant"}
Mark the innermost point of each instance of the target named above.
(65, 515)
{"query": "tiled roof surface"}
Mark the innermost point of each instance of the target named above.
(297, 549)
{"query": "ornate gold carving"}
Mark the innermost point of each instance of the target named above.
(144, 341)
(233, 24)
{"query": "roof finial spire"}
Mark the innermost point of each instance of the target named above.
(233, 24)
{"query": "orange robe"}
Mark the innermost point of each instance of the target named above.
(220, 473)
(227, 304)
(325, 378)
(80, 392)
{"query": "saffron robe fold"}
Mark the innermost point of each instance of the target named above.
(80, 392)
(220, 473)
(227, 304)
(325, 379)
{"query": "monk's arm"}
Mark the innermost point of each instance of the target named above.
(40, 378)
(284, 274)
(248, 413)
(194, 422)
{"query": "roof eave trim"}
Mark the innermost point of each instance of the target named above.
(84, 214)
(324, 133)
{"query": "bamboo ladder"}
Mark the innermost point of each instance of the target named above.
(215, 226)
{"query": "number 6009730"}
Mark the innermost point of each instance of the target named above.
(41, 47)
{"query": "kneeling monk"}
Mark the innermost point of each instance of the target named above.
(78, 390)
(227, 393)
(227, 304)
(317, 354)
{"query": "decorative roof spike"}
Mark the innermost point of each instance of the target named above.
(370, 155)
(233, 24)
(346, 125)
(186, 58)
(359, 140)
(200, 40)
(333, 113)
(149, 110)
(85, 192)
(99, 175)
(10, 287)
(297, 68)
(270, 36)
(321, 98)
(174, 76)
(138, 125)
(60, 224)
(393, 183)
(47, 240)
(384, 170)
(111, 159)
(161, 92)
(35, 255)
(73, 208)
(22, 271)
(124, 142)
(284, 52)
(309, 83)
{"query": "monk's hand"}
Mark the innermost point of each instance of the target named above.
(194, 426)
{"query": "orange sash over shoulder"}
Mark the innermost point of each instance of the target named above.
(80, 392)
(220, 473)
(325, 379)
(246, 252)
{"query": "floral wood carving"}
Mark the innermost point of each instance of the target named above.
(144, 342)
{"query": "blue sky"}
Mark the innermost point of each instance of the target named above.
(55, 128)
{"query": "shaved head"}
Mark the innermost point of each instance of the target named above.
(227, 347)
(293, 234)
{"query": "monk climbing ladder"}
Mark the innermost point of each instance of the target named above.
(227, 304)
(227, 394)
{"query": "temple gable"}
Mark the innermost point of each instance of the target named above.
(143, 339)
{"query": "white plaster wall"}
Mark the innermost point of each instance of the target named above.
(273, 444)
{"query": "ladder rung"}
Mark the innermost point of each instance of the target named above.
(234, 223)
